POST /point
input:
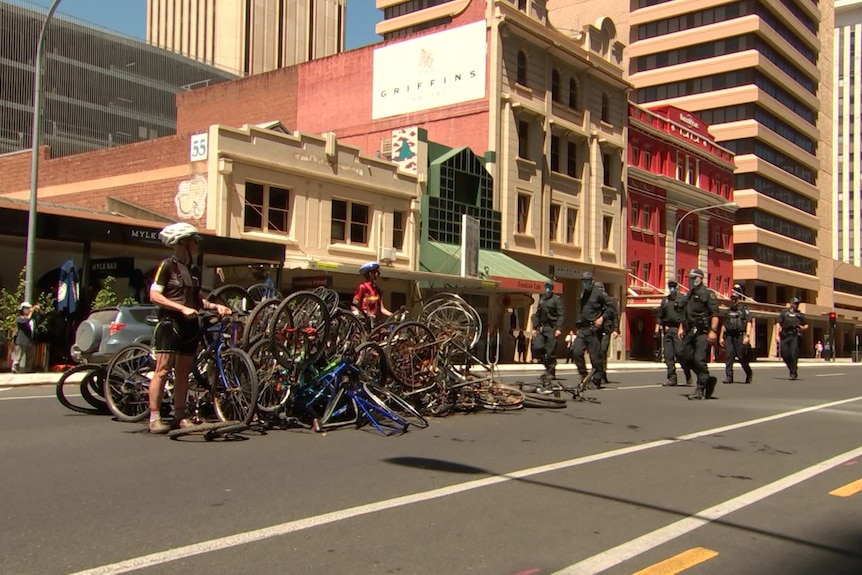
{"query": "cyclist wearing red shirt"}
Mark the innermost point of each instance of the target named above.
(368, 297)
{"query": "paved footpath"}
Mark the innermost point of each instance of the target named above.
(8, 379)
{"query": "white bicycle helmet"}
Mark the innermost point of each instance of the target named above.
(172, 234)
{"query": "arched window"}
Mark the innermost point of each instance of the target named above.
(555, 85)
(573, 93)
(606, 108)
(522, 68)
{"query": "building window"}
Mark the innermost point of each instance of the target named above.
(606, 108)
(573, 93)
(522, 68)
(524, 139)
(555, 85)
(398, 221)
(266, 209)
(554, 222)
(647, 165)
(555, 153)
(522, 5)
(607, 228)
(636, 215)
(572, 159)
(571, 224)
(647, 277)
(636, 268)
(523, 212)
(646, 217)
(680, 166)
(350, 222)
(691, 171)
(606, 169)
(635, 159)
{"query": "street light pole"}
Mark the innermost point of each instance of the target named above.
(34, 159)
(732, 205)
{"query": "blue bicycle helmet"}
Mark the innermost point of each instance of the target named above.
(369, 267)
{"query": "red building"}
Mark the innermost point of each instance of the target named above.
(680, 215)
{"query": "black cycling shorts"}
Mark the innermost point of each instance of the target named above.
(174, 335)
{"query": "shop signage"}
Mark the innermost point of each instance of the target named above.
(569, 272)
(144, 236)
(469, 246)
(435, 70)
(310, 282)
(117, 267)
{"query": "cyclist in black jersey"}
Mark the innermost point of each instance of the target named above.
(176, 290)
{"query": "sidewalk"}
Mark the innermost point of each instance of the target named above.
(8, 379)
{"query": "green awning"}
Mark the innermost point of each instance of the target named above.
(509, 272)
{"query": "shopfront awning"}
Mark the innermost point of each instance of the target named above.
(428, 278)
(506, 271)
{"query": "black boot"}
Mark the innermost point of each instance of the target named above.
(710, 387)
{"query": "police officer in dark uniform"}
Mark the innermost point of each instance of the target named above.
(598, 313)
(612, 330)
(671, 314)
(547, 326)
(735, 336)
(699, 331)
(791, 324)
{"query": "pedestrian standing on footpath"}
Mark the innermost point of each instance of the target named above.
(671, 314)
(699, 331)
(735, 336)
(570, 345)
(547, 327)
(791, 324)
(598, 311)
(25, 339)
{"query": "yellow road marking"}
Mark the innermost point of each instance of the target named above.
(681, 562)
(848, 490)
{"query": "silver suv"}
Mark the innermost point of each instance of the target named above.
(106, 331)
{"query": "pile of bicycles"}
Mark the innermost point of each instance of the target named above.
(309, 360)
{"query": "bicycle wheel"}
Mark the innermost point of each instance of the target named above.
(93, 377)
(455, 323)
(127, 383)
(412, 353)
(299, 328)
(261, 292)
(371, 359)
(235, 297)
(394, 403)
(329, 296)
(345, 330)
(500, 397)
(235, 390)
(274, 380)
(257, 324)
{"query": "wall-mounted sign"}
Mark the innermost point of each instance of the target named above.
(428, 72)
(310, 282)
(117, 267)
(469, 246)
(199, 147)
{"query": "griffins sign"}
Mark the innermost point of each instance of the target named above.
(428, 72)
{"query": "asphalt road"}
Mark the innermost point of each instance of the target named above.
(643, 482)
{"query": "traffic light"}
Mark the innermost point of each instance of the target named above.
(833, 320)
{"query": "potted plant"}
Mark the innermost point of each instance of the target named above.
(9, 302)
(107, 296)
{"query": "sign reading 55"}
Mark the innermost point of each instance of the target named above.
(199, 147)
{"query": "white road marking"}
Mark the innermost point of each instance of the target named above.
(20, 397)
(828, 374)
(159, 558)
(616, 555)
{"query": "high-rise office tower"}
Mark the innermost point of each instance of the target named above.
(758, 72)
(248, 36)
(848, 133)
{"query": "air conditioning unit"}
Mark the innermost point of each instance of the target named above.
(386, 148)
(387, 255)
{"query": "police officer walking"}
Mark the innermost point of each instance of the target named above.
(791, 324)
(547, 326)
(735, 336)
(671, 314)
(598, 313)
(699, 330)
(612, 330)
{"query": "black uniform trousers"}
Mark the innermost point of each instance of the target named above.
(696, 351)
(673, 353)
(733, 349)
(590, 340)
(790, 352)
(544, 345)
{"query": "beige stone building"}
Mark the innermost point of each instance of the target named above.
(759, 73)
(248, 38)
